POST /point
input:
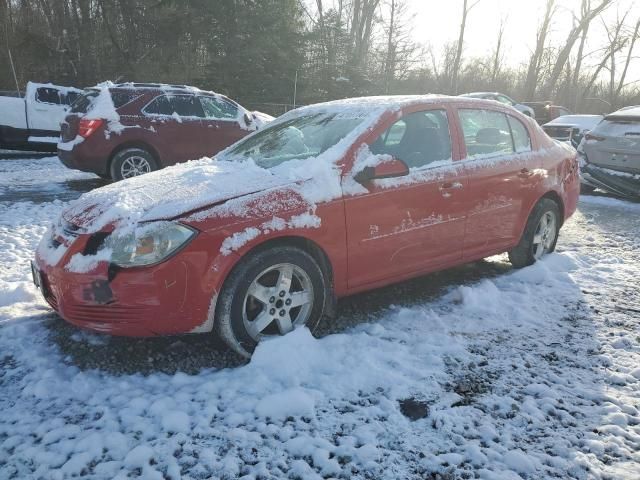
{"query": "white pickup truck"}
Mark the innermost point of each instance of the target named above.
(32, 121)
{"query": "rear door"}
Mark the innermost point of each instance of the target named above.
(177, 120)
(220, 126)
(400, 226)
(46, 109)
(502, 175)
(615, 143)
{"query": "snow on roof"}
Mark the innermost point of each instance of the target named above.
(630, 111)
(582, 121)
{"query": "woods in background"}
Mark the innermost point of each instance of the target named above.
(270, 54)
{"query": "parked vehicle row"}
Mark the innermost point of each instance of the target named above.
(141, 127)
(326, 201)
(610, 153)
(32, 121)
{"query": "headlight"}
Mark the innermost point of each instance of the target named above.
(148, 244)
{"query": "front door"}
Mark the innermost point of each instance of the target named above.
(402, 226)
(177, 120)
(220, 126)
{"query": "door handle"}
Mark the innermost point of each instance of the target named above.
(451, 186)
(446, 187)
(525, 173)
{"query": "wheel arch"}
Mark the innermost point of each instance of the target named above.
(134, 144)
(555, 197)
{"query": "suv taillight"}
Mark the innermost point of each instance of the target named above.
(87, 127)
(591, 136)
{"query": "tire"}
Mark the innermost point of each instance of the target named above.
(137, 161)
(538, 238)
(242, 319)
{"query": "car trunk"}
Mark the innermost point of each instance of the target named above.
(560, 132)
(615, 144)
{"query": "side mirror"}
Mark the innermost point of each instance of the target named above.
(248, 119)
(390, 168)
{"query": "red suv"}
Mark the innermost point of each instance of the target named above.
(125, 130)
(326, 201)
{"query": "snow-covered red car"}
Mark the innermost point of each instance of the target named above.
(326, 201)
(123, 130)
(32, 121)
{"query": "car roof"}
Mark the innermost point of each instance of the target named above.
(630, 112)
(474, 94)
(164, 87)
(582, 121)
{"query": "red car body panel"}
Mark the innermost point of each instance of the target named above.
(430, 220)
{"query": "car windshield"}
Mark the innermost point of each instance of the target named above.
(300, 138)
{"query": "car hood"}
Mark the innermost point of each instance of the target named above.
(169, 193)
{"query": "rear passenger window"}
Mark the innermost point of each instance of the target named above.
(418, 139)
(48, 95)
(183, 105)
(218, 109)
(521, 140)
(486, 132)
(122, 98)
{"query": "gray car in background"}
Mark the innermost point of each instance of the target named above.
(611, 153)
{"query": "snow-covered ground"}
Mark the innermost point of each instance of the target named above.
(522, 374)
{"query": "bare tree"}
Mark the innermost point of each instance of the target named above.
(466, 8)
(533, 71)
(587, 14)
(496, 64)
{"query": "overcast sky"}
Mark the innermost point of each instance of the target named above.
(436, 22)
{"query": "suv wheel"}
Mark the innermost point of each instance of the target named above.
(132, 162)
(270, 293)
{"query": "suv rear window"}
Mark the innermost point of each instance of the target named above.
(82, 103)
(122, 98)
(183, 105)
(618, 128)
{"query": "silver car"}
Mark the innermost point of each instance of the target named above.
(611, 153)
(502, 98)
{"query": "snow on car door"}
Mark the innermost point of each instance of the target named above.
(502, 173)
(409, 224)
(220, 125)
(45, 109)
(176, 118)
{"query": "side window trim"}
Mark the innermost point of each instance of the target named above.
(165, 115)
(217, 119)
(510, 119)
(48, 103)
(492, 155)
(452, 138)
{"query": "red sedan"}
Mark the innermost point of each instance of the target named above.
(329, 200)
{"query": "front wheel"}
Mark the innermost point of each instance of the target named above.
(132, 162)
(540, 234)
(270, 293)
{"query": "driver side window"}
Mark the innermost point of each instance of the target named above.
(418, 139)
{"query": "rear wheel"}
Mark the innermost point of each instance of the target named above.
(132, 162)
(540, 234)
(270, 293)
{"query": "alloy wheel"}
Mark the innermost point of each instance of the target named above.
(134, 166)
(545, 235)
(279, 299)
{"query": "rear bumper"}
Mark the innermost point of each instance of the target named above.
(620, 183)
(83, 159)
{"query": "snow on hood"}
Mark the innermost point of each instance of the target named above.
(169, 193)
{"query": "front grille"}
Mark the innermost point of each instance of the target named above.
(114, 314)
